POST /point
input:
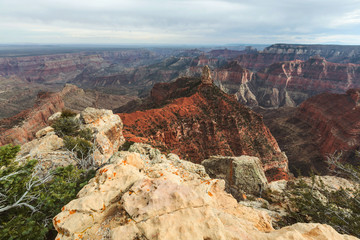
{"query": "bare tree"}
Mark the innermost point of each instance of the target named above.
(36, 179)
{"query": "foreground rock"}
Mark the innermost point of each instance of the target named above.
(242, 175)
(107, 129)
(153, 196)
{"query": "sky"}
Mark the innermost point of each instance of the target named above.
(191, 22)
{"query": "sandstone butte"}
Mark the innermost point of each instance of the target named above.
(334, 120)
(143, 194)
(197, 120)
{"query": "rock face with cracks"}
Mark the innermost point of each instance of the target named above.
(243, 175)
(144, 194)
(107, 128)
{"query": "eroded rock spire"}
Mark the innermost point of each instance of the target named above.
(206, 75)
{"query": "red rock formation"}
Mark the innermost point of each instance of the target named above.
(30, 121)
(200, 121)
(53, 68)
(335, 120)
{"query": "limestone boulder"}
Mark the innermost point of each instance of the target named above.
(43, 132)
(107, 128)
(243, 175)
(54, 117)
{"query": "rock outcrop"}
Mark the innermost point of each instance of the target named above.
(107, 129)
(206, 75)
(143, 196)
(197, 121)
(242, 175)
(50, 151)
(23, 126)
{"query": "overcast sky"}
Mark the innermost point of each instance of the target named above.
(180, 21)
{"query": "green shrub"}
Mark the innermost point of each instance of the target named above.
(339, 209)
(126, 146)
(47, 198)
(67, 113)
(67, 126)
(86, 134)
(81, 147)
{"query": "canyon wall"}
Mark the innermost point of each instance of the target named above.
(287, 83)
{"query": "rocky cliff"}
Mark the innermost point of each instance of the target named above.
(257, 60)
(334, 119)
(23, 126)
(198, 120)
(320, 126)
(288, 83)
(332, 53)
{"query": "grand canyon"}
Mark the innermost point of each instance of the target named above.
(210, 138)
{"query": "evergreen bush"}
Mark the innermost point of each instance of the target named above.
(29, 201)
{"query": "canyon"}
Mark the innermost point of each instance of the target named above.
(281, 75)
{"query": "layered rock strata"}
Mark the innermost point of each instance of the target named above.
(334, 119)
(287, 83)
(199, 120)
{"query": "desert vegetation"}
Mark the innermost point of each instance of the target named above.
(30, 198)
(317, 203)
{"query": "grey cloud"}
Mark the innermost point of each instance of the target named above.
(220, 21)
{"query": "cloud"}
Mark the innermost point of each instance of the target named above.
(179, 21)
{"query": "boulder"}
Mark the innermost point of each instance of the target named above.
(242, 174)
(44, 131)
(107, 128)
(54, 117)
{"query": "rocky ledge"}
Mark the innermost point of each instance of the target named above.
(143, 194)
